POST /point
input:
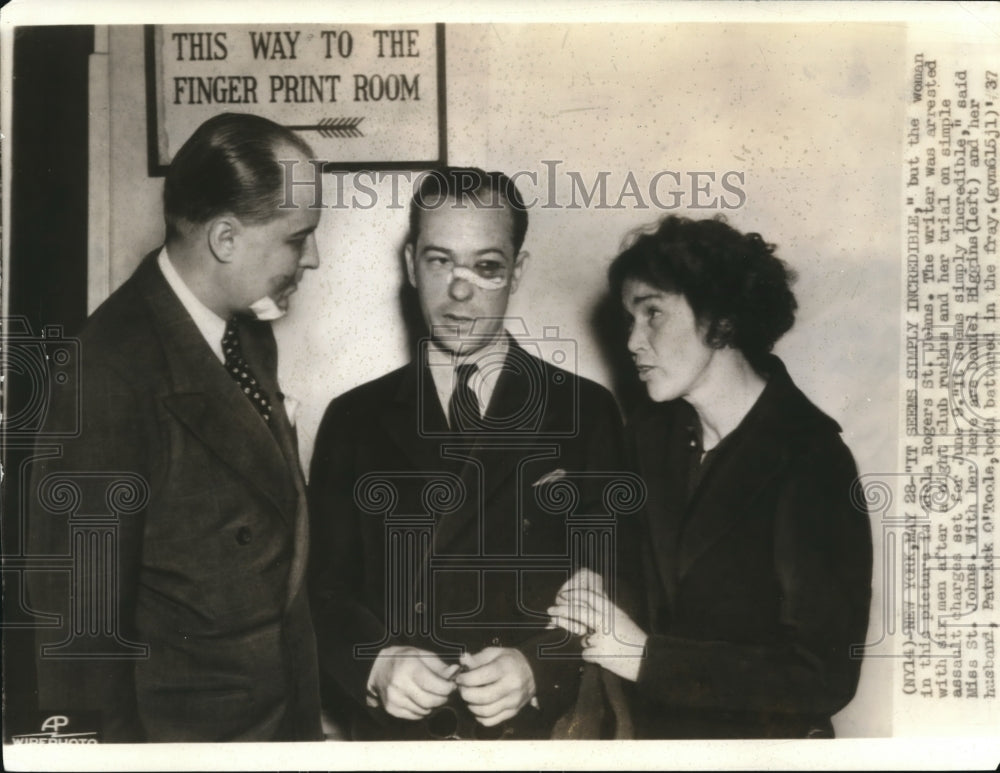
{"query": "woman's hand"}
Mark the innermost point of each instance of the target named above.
(610, 637)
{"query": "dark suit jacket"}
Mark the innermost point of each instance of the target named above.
(210, 542)
(486, 549)
(757, 587)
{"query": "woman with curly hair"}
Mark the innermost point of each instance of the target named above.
(756, 565)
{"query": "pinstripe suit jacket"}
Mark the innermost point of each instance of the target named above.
(496, 556)
(204, 572)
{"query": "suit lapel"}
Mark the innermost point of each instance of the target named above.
(487, 466)
(261, 352)
(207, 401)
(415, 421)
(662, 466)
(734, 480)
(418, 427)
(520, 404)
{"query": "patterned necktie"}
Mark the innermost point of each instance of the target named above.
(463, 408)
(240, 372)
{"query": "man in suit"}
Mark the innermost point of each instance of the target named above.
(443, 493)
(186, 618)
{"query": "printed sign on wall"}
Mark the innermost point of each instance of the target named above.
(364, 96)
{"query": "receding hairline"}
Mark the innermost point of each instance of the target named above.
(431, 204)
(283, 149)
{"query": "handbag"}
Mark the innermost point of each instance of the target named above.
(601, 710)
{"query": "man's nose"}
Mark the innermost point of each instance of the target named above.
(460, 289)
(310, 253)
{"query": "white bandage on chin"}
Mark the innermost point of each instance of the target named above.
(461, 272)
(266, 310)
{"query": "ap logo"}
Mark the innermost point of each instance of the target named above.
(52, 728)
(55, 724)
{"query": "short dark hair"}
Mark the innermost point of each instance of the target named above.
(467, 185)
(734, 283)
(228, 165)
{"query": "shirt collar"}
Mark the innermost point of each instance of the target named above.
(211, 326)
(489, 361)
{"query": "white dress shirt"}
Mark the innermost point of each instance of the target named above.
(211, 326)
(489, 361)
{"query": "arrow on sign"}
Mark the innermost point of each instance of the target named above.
(333, 127)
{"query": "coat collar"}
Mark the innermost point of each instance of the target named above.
(759, 451)
(485, 460)
(660, 459)
(417, 415)
(207, 401)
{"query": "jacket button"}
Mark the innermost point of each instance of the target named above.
(495, 641)
(525, 525)
(243, 535)
(419, 607)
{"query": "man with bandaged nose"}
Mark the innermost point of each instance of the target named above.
(199, 601)
(433, 562)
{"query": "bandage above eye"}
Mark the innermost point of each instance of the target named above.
(482, 282)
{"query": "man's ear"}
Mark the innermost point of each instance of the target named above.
(411, 272)
(221, 235)
(519, 265)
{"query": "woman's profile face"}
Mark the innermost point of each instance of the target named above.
(665, 339)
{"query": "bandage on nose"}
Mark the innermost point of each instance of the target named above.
(482, 282)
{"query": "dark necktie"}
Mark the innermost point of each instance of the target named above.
(239, 370)
(463, 408)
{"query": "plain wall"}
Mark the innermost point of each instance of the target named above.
(810, 114)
